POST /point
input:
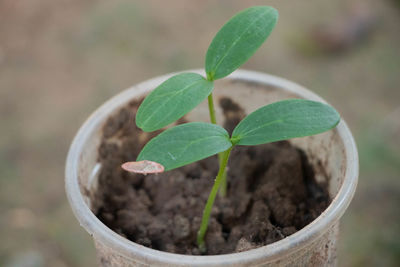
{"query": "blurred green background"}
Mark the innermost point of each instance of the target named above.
(60, 59)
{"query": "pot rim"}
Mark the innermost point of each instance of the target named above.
(274, 251)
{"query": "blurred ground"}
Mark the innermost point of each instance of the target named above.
(59, 60)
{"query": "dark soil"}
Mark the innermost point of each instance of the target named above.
(272, 193)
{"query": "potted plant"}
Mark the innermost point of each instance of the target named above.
(330, 158)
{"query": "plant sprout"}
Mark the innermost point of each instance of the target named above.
(183, 144)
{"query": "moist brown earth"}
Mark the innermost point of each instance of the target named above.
(272, 192)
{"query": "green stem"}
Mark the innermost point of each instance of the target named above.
(223, 187)
(211, 109)
(210, 201)
(213, 120)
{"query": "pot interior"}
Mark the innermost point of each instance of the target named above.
(325, 151)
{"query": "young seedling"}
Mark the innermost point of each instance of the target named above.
(233, 45)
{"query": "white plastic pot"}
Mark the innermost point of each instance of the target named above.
(333, 154)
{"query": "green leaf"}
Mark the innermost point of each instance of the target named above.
(284, 120)
(238, 40)
(186, 143)
(172, 100)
